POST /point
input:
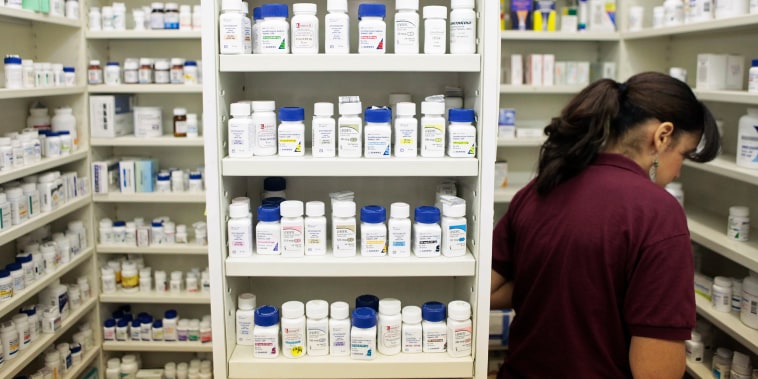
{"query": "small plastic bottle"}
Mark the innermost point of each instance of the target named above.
(293, 329)
(453, 227)
(412, 331)
(461, 133)
(157, 16)
(462, 27)
(131, 71)
(145, 71)
(94, 19)
(268, 231)
(747, 140)
(112, 73)
(315, 228)
(291, 133)
(275, 29)
(343, 229)
(247, 28)
(752, 81)
(292, 228)
(399, 231)
(339, 329)
(372, 30)
(721, 295)
(406, 130)
(741, 366)
(389, 326)
(21, 322)
(406, 27)
(156, 333)
(337, 28)
(232, 33)
(432, 129)
(185, 17)
(427, 233)
(241, 131)
(163, 72)
(109, 330)
(305, 29)
(349, 130)
(190, 72)
(264, 128)
(240, 227)
(245, 318)
(324, 135)
(317, 325)
(739, 223)
(378, 133)
(363, 334)
(266, 332)
(434, 328)
(94, 72)
(373, 231)
(722, 363)
(459, 329)
(435, 29)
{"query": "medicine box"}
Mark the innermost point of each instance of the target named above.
(711, 71)
(521, 14)
(148, 122)
(735, 72)
(104, 176)
(506, 124)
(517, 69)
(548, 70)
(126, 176)
(145, 172)
(534, 70)
(111, 115)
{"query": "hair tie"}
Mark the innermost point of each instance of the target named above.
(622, 88)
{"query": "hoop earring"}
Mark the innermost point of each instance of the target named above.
(654, 168)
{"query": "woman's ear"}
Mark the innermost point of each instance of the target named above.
(663, 136)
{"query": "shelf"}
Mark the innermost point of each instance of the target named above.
(23, 14)
(699, 370)
(505, 195)
(722, 24)
(709, 230)
(521, 142)
(527, 35)
(149, 346)
(164, 141)
(440, 365)
(729, 323)
(539, 90)
(178, 249)
(41, 220)
(43, 341)
(18, 299)
(87, 359)
(726, 166)
(146, 88)
(309, 166)
(42, 165)
(153, 297)
(497, 347)
(150, 197)
(350, 62)
(737, 97)
(22, 93)
(143, 34)
(331, 266)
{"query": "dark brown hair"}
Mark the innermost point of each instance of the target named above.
(605, 111)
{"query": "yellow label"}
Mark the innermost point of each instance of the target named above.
(296, 351)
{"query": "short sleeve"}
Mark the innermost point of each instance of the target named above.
(502, 261)
(660, 298)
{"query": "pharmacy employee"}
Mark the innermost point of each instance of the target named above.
(594, 255)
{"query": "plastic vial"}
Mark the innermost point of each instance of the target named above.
(175, 283)
(406, 130)
(94, 19)
(94, 72)
(176, 72)
(129, 277)
(185, 17)
(190, 72)
(741, 367)
(722, 363)
(247, 28)
(721, 294)
(339, 329)
(694, 347)
(291, 133)
(264, 128)
(240, 231)
(399, 231)
(337, 28)
(434, 328)
(435, 29)
(461, 133)
(241, 131)
(454, 227)
(157, 16)
(275, 29)
(292, 228)
(750, 300)
(145, 71)
(266, 332)
(427, 233)
(752, 82)
(131, 71)
(171, 16)
(14, 72)
(378, 133)
(747, 140)
(232, 30)
(389, 326)
(305, 29)
(317, 327)
(432, 129)
(197, 17)
(268, 231)
(324, 136)
(112, 73)
(412, 332)
(343, 229)
(372, 30)
(315, 228)
(10, 340)
(406, 27)
(156, 333)
(363, 334)
(349, 143)
(739, 223)
(122, 330)
(293, 329)
(109, 330)
(180, 122)
(373, 231)
(462, 27)
(192, 126)
(459, 328)
(162, 71)
(21, 322)
(245, 318)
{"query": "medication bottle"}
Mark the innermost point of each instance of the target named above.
(293, 329)
(21, 322)
(412, 332)
(406, 130)
(454, 227)
(157, 331)
(69, 76)
(694, 348)
(292, 228)
(275, 29)
(94, 19)
(185, 17)
(315, 228)
(749, 308)
(722, 363)
(240, 228)
(752, 81)
(14, 72)
(129, 277)
(426, 232)
(94, 72)
(435, 29)
(741, 367)
(180, 122)
(192, 126)
(747, 140)
(324, 136)
(434, 328)
(339, 329)
(157, 16)
(337, 28)
(317, 327)
(363, 334)
(462, 27)
(190, 72)
(461, 133)
(131, 71)
(268, 231)
(432, 129)
(176, 72)
(112, 73)
(197, 17)
(721, 294)
(373, 231)
(109, 330)
(256, 30)
(367, 300)
(171, 16)
(372, 30)
(122, 329)
(305, 29)
(406, 27)
(378, 133)
(247, 28)
(264, 128)
(389, 326)
(739, 223)
(232, 30)
(349, 129)
(266, 332)
(459, 329)
(163, 71)
(291, 133)
(343, 229)
(241, 131)
(52, 362)
(145, 71)
(399, 231)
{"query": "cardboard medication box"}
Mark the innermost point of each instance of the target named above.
(111, 115)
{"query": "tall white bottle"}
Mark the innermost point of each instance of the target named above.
(336, 28)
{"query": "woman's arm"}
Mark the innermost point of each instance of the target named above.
(501, 292)
(652, 358)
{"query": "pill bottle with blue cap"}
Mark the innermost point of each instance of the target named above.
(378, 133)
(275, 29)
(461, 133)
(372, 30)
(268, 230)
(373, 231)
(291, 132)
(427, 233)
(266, 332)
(434, 327)
(363, 334)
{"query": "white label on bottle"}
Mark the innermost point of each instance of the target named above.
(315, 237)
(374, 243)
(739, 228)
(290, 143)
(292, 239)
(462, 144)
(362, 347)
(318, 341)
(435, 341)
(265, 135)
(339, 340)
(293, 341)
(435, 37)
(349, 140)
(344, 237)
(265, 346)
(371, 39)
(267, 241)
(273, 39)
(378, 145)
(461, 341)
(336, 35)
(412, 338)
(240, 240)
(231, 35)
(390, 336)
(406, 139)
(244, 330)
(462, 32)
(406, 33)
(433, 138)
(456, 239)
(304, 35)
(399, 241)
(427, 244)
(323, 138)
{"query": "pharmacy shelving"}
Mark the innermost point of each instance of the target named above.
(699, 370)
(146, 88)
(87, 358)
(539, 90)
(150, 197)
(735, 97)
(709, 230)
(143, 34)
(395, 366)
(521, 142)
(726, 166)
(27, 15)
(170, 249)
(21, 93)
(517, 35)
(729, 323)
(43, 341)
(350, 62)
(163, 141)
(42, 165)
(153, 297)
(33, 289)
(310, 166)
(43, 219)
(731, 25)
(331, 266)
(158, 346)
(505, 195)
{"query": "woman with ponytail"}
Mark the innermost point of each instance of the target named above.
(593, 254)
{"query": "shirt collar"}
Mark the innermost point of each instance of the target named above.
(620, 161)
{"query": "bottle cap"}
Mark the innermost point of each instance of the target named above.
(264, 106)
(723, 281)
(268, 213)
(454, 209)
(226, 5)
(406, 4)
(293, 309)
(314, 208)
(238, 210)
(371, 10)
(274, 183)
(433, 311)
(157, 324)
(435, 11)
(405, 109)
(463, 4)
(274, 10)
(112, 63)
(373, 214)
(257, 13)
(323, 109)
(461, 115)
(367, 300)
(432, 107)
(12, 60)
(317, 309)
(122, 323)
(411, 314)
(180, 111)
(343, 209)
(291, 208)
(336, 5)
(378, 114)
(304, 8)
(170, 314)
(291, 114)
(240, 109)
(340, 310)
(427, 214)
(109, 323)
(739, 211)
(69, 69)
(459, 310)
(350, 108)
(389, 306)
(364, 317)
(399, 210)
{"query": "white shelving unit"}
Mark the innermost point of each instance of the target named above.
(517, 35)
(726, 166)
(164, 141)
(729, 323)
(350, 63)
(17, 15)
(150, 197)
(158, 346)
(735, 97)
(89, 357)
(6, 93)
(146, 88)
(699, 370)
(139, 297)
(171, 249)
(538, 90)
(43, 165)
(143, 34)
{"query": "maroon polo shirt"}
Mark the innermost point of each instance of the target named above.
(603, 257)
